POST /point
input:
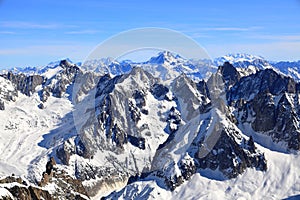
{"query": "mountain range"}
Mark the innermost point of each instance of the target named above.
(167, 128)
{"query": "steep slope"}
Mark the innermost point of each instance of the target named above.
(242, 60)
(26, 125)
(289, 68)
(155, 138)
(118, 137)
(215, 155)
(211, 142)
(268, 103)
(280, 181)
(165, 65)
(248, 64)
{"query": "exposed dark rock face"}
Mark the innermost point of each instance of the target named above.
(58, 84)
(106, 84)
(2, 106)
(106, 176)
(187, 168)
(65, 151)
(232, 158)
(263, 81)
(265, 118)
(229, 73)
(119, 105)
(41, 106)
(159, 91)
(39, 194)
(119, 137)
(135, 113)
(23, 192)
(68, 187)
(139, 97)
(174, 120)
(137, 141)
(83, 84)
(133, 102)
(279, 121)
(203, 89)
(268, 101)
(7, 197)
(8, 92)
(223, 149)
(23, 83)
(12, 179)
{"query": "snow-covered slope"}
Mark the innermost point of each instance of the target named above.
(248, 64)
(280, 181)
(165, 65)
(152, 130)
(290, 68)
(237, 58)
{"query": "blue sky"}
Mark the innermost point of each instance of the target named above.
(36, 32)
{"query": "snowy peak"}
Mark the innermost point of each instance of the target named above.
(153, 121)
(212, 142)
(165, 65)
(165, 57)
(37, 70)
(245, 63)
(239, 57)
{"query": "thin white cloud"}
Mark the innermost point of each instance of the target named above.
(28, 25)
(277, 37)
(226, 29)
(7, 33)
(82, 32)
(210, 32)
(231, 28)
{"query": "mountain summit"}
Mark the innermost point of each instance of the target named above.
(165, 57)
(154, 131)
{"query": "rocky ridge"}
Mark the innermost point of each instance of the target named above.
(135, 126)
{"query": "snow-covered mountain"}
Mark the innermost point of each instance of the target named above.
(165, 65)
(290, 68)
(150, 130)
(248, 64)
(237, 58)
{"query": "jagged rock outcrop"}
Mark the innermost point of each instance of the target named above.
(268, 101)
(217, 144)
(2, 106)
(159, 91)
(132, 112)
(19, 189)
(23, 83)
(68, 187)
(58, 84)
(65, 151)
(230, 157)
(229, 73)
(263, 81)
(115, 103)
(8, 92)
(135, 125)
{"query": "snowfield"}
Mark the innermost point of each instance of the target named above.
(281, 180)
(23, 126)
(175, 117)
